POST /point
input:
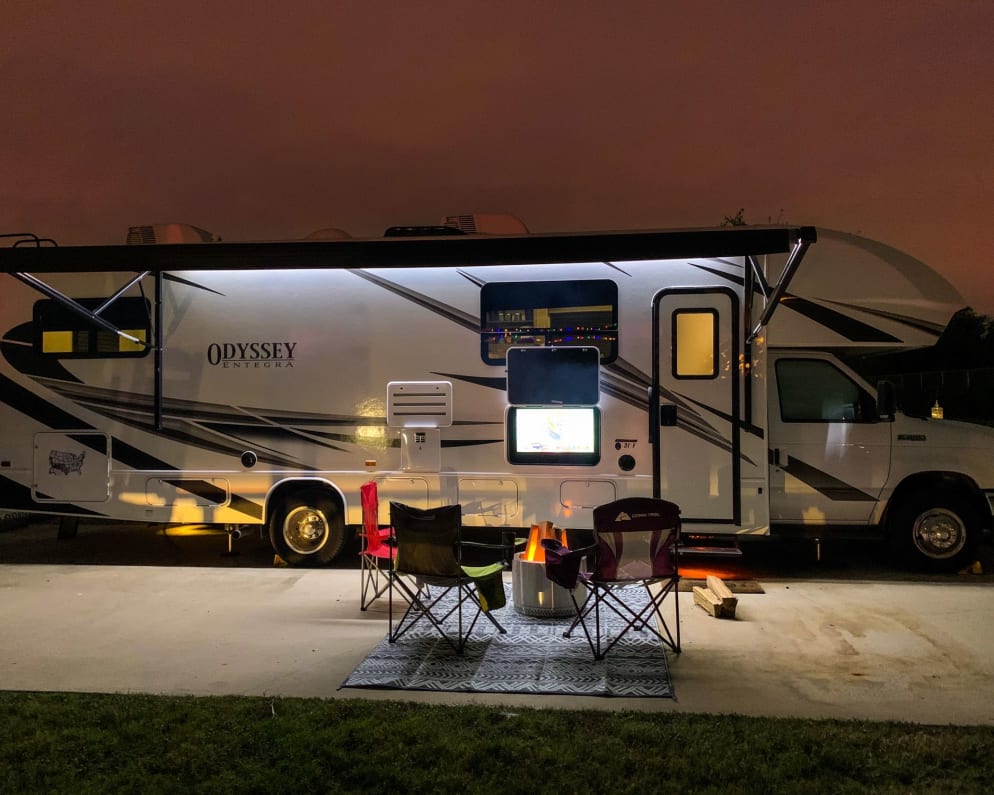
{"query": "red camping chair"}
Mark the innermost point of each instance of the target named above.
(636, 545)
(376, 552)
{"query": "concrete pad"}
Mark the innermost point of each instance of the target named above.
(919, 652)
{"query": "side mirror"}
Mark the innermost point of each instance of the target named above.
(886, 400)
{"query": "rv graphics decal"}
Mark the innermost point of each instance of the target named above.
(822, 482)
(63, 462)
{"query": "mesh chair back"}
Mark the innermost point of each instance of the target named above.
(427, 539)
(636, 539)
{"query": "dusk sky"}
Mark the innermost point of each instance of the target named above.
(267, 121)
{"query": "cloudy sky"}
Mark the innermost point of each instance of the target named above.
(269, 120)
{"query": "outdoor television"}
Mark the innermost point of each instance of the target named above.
(554, 435)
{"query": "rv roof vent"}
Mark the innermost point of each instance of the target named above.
(169, 233)
(328, 233)
(419, 404)
(487, 224)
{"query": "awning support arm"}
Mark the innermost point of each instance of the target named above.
(760, 278)
(79, 309)
(120, 292)
(793, 261)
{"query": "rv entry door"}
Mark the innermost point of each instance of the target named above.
(695, 406)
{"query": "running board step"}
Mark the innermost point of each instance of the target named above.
(712, 550)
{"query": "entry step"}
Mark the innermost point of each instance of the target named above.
(712, 550)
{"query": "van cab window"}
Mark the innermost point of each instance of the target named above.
(813, 390)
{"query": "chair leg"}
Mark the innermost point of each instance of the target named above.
(649, 617)
(423, 605)
(374, 580)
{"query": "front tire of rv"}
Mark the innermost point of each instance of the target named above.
(307, 529)
(935, 531)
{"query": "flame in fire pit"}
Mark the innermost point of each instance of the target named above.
(534, 551)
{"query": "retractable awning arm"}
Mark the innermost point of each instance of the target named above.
(799, 249)
(93, 315)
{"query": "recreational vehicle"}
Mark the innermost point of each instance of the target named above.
(526, 377)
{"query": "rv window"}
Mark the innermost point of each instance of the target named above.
(813, 390)
(516, 314)
(66, 334)
(695, 343)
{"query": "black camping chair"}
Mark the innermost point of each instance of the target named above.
(429, 552)
(636, 545)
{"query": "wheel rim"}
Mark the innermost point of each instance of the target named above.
(939, 533)
(306, 530)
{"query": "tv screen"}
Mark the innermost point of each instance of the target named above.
(554, 435)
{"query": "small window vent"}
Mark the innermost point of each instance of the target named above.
(419, 404)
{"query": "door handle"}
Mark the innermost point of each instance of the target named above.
(780, 458)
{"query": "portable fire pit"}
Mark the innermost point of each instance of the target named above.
(534, 593)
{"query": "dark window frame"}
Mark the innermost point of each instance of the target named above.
(126, 313)
(522, 298)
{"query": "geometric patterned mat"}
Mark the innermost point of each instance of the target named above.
(533, 657)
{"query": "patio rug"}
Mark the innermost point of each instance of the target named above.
(533, 657)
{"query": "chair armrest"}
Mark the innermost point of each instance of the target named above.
(502, 553)
(562, 564)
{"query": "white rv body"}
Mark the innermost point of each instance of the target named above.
(267, 394)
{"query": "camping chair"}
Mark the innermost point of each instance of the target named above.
(376, 551)
(429, 550)
(635, 546)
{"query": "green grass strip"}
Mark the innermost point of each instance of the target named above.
(80, 743)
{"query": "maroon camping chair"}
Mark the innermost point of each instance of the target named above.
(636, 546)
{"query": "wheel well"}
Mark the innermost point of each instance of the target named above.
(288, 487)
(952, 483)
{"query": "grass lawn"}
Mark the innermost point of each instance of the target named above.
(73, 743)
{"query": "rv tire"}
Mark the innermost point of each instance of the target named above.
(935, 531)
(307, 529)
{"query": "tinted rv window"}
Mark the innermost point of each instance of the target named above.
(516, 314)
(812, 390)
(695, 343)
(61, 332)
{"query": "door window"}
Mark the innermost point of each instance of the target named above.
(695, 343)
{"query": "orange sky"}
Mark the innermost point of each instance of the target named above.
(871, 116)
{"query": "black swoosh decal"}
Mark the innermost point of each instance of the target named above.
(457, 316)
(172, 278)
(828, 485)
(848, 327)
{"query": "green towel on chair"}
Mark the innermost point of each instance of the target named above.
(489, 583)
